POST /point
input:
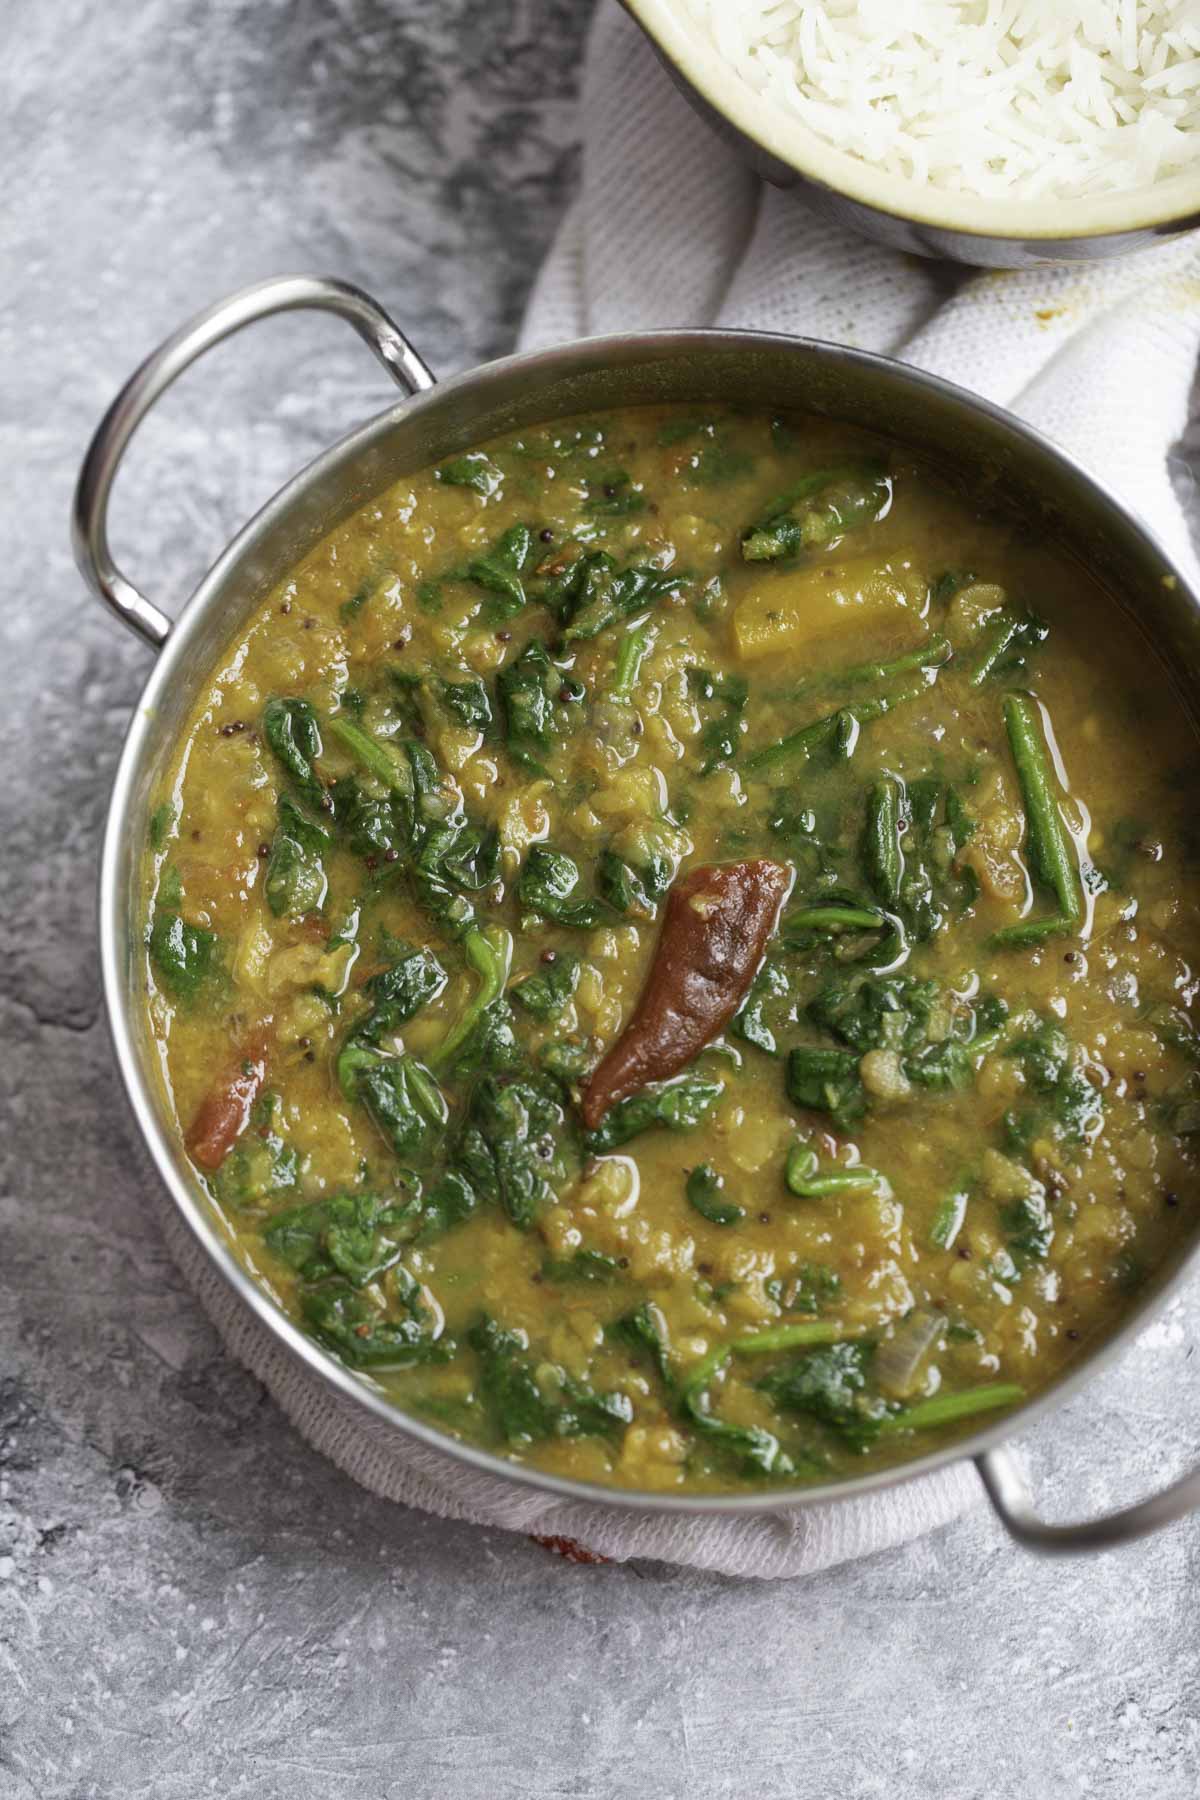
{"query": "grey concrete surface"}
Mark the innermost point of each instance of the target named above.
(191, 1602)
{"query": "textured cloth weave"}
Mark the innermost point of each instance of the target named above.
(669, 230)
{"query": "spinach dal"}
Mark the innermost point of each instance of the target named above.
(672, 940)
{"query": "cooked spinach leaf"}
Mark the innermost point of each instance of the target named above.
(757, 1451)
(404, 1101)
(827, 1081)
(350, 1324)
(354, 1236)
(704, 1190)
(546, 993)
(679, 1105)
(635, 872)
(1027, 1226)
(599, 595)
(807, 1289)
(1070, 1108)
(614, 495)
(535, 715)
(720, 737)
(262, 1165)
(831, 1384)
(548, 885)
(514, 1148)
(185, 957)
(162, 823)
(474, 470)
(818, 509)
(525, 1404)
(499, 570)
(466, 701)
(295, 881)
(290, 728)
(581, 1265)
(398, 992)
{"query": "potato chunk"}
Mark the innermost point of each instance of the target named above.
(788, 610)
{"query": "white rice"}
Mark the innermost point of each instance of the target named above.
(1003, 98)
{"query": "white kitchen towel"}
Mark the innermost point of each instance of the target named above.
(669, 230)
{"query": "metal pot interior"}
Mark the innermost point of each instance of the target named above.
(989, 455)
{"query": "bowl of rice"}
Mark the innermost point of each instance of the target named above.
(997, 132)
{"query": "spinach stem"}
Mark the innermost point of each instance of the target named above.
(945, 1409)
(837, 918)
(490, 955)
(636, 645)
(1050, 848)
(822, 734)
(372, 755)
(703, 1375)
(788, 1337)
(817, 509)
(881, 844)
(1033, 931)
(930, 655)
(1005, 628)
(804, 1177)
(948, 1219)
